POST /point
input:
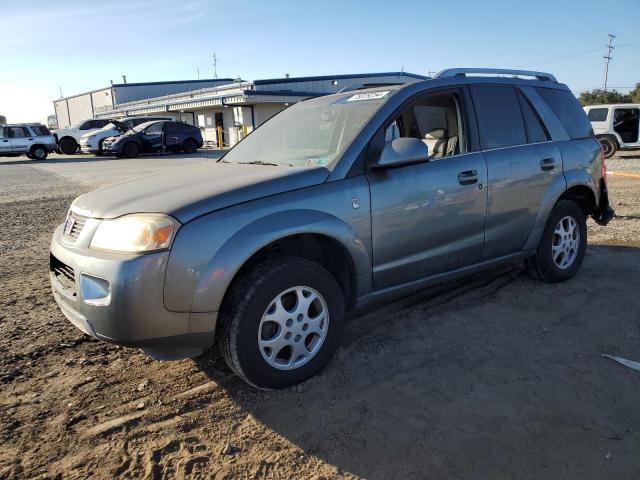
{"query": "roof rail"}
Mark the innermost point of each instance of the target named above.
(462, 72)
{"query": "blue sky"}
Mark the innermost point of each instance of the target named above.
(80, 45)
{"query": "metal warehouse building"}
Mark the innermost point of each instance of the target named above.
(76, 108)
(229, 110)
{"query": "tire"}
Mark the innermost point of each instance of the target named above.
(100, 151)
(130, 150)
(68, 146)
(557, 259)
(190, 145)
(245, 318)
(609, 146)
(38, 153)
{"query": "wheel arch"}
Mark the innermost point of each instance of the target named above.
(576, 185)
(307, 233)
(611, 136)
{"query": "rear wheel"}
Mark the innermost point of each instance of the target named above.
(38, 153)
(190, 145)
(130, 150)
(609, 146)
(281, 322)
(68, 146)
(563, 244)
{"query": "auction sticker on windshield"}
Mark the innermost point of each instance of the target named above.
(368, 96)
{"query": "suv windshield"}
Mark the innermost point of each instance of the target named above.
(310, 133)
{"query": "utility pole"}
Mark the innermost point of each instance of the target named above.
(198, 69)
(607, 59)
(215, 66)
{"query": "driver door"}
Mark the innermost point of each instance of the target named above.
(152, 137)
(429, 218)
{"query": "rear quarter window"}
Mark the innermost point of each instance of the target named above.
(40, 130)
(566, 107)
(598, 114)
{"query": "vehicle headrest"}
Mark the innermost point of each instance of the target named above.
(435, 134)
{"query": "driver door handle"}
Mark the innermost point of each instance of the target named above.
(468, 177)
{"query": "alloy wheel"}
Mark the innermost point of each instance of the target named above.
(565, 243)
(293, 328)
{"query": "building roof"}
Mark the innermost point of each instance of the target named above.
(173, 82)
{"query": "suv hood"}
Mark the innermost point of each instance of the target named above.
(189, 192)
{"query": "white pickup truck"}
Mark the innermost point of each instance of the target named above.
(69, 138)
(617, 126)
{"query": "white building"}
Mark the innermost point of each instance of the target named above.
(229, 110)
(77, 108)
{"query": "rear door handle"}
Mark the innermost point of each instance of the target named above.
(468, 177)
(547, 164)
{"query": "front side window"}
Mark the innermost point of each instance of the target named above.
(155, 128)
(310, 133)
(436, 120)
(501, 123)
(598, 114)
(566, 107)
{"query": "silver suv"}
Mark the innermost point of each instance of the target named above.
(333, 204)
(31, 139)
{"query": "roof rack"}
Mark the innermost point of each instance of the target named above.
(462, 72)
(363, 86)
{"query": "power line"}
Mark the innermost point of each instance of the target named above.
(608, 58)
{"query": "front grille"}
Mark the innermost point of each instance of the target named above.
(74, 225)
(64, 274)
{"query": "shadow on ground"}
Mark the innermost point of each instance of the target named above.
(498, 377)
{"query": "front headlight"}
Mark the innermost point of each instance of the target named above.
(136, 233)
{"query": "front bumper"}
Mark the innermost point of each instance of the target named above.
(89, 148)
(119, 299)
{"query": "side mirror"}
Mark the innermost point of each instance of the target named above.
(401, 152)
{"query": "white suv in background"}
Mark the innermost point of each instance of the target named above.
(69, 138)
(91, 142)
(617, 126)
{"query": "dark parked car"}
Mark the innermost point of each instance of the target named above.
(155, 136)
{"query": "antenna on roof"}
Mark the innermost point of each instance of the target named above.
(60, 88)
(215, 65)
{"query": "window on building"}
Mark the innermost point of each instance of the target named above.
(568, 110)
(499, 115)
(598, 114)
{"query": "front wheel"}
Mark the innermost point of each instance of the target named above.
(609, 146)
(563, 244)
(281, 322)
(130, 150)
(68, 146)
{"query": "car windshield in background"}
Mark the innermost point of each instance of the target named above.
(310, 133)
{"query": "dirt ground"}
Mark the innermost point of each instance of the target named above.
(495, 376)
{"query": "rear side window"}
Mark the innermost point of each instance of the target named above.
(40, 130)
(535, 130)
(598, 114)
(18, 132)
(501, 123)
(568, 110)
